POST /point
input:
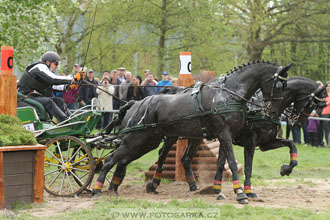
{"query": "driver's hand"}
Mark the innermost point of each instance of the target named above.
(79, 76)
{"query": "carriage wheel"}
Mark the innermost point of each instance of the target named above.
(69, 166)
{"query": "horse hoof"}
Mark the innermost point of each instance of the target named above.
(216, 191)
(285, 170)
(252, 195)
(96, 193)
(151, 188)
(221, 197)
(241, 196)
(243, 201)
(193, 187)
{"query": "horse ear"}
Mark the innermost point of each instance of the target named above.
(320, 90)
(285, 69)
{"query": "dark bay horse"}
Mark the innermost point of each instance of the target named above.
(259, 130)
(218, 112)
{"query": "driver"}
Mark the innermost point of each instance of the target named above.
(37, 82)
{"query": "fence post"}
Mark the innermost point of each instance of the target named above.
(8, 84)
(185, 79)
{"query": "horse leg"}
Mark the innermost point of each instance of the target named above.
(278, 143)
(118, 177)
(108, 164)
(132, 146)
(226, 143)
(218, 175)
(248, 160)
(155, 182)
(186, 160)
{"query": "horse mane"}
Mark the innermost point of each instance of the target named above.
(303, 78)
(237, 68)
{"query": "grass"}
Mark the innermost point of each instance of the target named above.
(313, 163)
(105, 207)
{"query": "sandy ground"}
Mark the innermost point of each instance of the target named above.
(314, 195)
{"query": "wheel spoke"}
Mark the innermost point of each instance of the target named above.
(69, 181)
(52, 172)
(85, 158)
(62, 182)
(79, 169)
(59, 150)
(54, 179)
(83, 175)
(54, 156)
(77, 177)
(75, 153)
(69, 143)
(54, 164)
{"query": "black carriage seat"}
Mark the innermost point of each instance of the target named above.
(23, 101)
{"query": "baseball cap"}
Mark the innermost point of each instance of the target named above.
(165, 73)
(76, 64)
(121, 68)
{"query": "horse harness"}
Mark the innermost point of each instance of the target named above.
(196, 101)
(200, 111)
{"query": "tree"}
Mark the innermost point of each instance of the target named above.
(28, 26)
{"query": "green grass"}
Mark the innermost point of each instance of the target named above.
(104, 207)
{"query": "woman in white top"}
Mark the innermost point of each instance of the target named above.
(105, 100)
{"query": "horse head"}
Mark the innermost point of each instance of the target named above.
(272, 90)
(304, 106)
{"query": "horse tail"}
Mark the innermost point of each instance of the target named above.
(118, 119)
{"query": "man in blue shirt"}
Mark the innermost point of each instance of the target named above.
(164, 82)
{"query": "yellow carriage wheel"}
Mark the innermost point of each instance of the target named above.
(69, 166)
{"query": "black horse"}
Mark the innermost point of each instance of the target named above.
(259, 130)
(214, 110)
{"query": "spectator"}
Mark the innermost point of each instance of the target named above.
(134, 91)
(149, 86)
(124, 87)
(164, 82)
(105, 100)
(88, 92)
(122, 72)
(175, 82)
(70, 95)
(326, 114)
(115, 82)
(139, 79)
(313, 129)
(319, 112)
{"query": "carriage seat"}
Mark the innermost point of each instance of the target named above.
(24, 103)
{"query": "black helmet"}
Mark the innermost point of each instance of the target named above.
(50, 56)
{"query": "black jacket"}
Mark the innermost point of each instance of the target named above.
(38, 79)
(88, 92)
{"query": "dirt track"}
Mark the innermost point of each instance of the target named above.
(314, 196)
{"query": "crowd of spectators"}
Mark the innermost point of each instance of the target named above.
(115, 88)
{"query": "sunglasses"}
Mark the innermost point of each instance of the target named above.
(56, 63)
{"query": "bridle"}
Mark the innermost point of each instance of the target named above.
(305, 111)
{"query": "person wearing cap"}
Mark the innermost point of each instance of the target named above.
(164, 82)
(121, 75)
(105, 99)
(38, 80)
(88, 92)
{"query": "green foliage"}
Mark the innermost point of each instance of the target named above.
(28, 26)
(12, 132)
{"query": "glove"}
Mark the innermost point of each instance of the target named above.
(71, 86)
(79, 76)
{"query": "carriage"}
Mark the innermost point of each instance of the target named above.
(74, 154)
